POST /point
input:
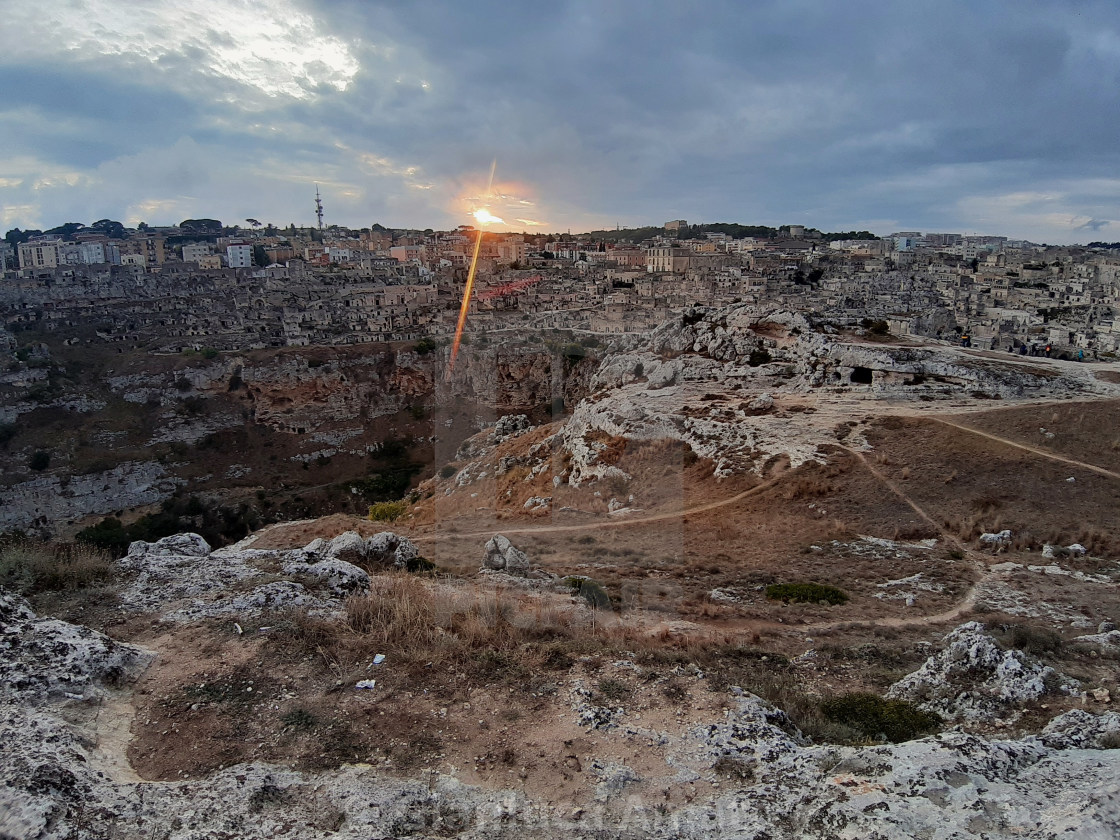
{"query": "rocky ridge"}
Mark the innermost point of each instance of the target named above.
(738, 385)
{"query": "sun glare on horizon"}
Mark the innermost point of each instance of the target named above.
(485, 217)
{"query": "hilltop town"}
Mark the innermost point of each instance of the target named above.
(202, 284)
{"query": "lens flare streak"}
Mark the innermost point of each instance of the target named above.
(483, 216)
(465, 307)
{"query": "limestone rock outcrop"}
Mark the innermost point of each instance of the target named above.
(502, 555)
(45, 659)
(735, 384)
(973, 678)
(348, 546)
(766, 779)
(338, 576)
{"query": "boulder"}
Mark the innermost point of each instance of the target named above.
(348, 546)
(1078, 729)
(177, 545)
(537, 505)
(1051, 552)
(389, 549)
(763, 402)
(510, 426)
(338, 576)
(1106, 639)
(996, 541)
(502, 555)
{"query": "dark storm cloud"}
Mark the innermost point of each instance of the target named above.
(998, 117)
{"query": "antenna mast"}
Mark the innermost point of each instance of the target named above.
(318, 208)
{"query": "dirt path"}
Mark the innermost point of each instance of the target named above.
(111, 733)
(1027, 448)
(619, 523)
(894, 488)
(952, 614)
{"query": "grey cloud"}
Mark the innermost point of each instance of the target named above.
(771, 112)
(1096, 224)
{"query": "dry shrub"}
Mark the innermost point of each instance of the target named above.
(398, 610)
(1029, 638)
(610, 447)
(808, 488)
(986, 503)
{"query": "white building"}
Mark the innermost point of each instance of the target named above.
(239, 256)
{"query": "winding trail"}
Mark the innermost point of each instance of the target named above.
(1034, 450)
(618, 523)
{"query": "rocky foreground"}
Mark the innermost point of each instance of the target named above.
(63, 774)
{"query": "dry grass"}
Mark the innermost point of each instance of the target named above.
(494, 634)
(28, 567)
(490, 631)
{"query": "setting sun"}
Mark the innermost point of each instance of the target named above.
(485, 217)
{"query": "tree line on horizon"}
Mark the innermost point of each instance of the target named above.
(731, 229)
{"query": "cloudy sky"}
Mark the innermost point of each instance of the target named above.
(987, 117)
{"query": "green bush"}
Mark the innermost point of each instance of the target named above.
(877, 327)
(387, 511)
(108, 534)
(877, 717)
(573, 352)
(385, 485)
(420, 566)
(425, 346)
(446, 471)
(805, 593)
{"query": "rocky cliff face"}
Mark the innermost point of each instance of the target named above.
(152, 424)
(50, 499)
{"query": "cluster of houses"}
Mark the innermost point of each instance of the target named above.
(265, 286)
